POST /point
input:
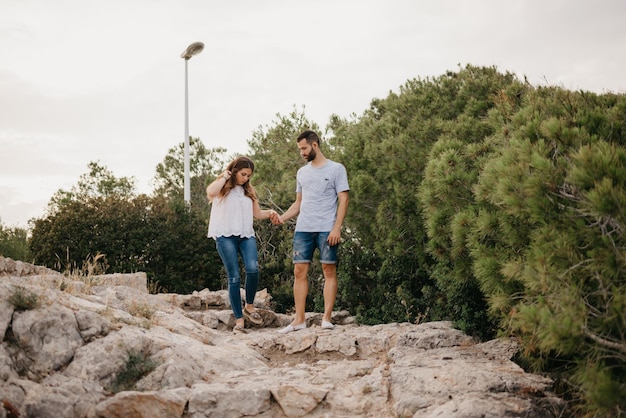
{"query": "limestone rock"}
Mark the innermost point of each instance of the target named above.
(299, 400)
(64, 357)
(162, 404)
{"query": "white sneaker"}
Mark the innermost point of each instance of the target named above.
(327, 325)
(291, 328)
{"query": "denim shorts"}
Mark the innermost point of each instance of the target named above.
(305, 243)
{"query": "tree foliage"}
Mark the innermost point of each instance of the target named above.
(387, 151)
(14, 243)
(162, 238)
(464, 201)
(101, 219)
(549, 246)
(204, 164)
(98, 182)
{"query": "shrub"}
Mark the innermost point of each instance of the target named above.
(137, 366)
(23, 299)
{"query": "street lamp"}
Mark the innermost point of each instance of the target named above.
(193, 49)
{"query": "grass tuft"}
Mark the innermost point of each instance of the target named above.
(137, 366)
(23, 299)
(140, 309)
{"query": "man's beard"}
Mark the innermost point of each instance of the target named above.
(311, 156)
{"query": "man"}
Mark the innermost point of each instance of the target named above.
(321, 206)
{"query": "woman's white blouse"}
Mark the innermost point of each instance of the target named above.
(231, 215)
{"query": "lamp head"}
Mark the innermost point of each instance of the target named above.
(193, 49)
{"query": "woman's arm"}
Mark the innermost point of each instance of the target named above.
(213, 189)
(259, 213)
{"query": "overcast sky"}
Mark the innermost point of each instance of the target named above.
(87, 80)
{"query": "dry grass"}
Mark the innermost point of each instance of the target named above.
(140, 309)
(155, 288)
(86, 274)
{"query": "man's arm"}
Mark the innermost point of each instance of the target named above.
(293, 210)
(342, 209)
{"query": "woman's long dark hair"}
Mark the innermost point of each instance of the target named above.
(234, 167)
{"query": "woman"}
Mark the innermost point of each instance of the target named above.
(234, 204)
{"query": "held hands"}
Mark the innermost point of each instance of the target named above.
(275, 218)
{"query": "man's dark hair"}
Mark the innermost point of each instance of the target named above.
(310, 137)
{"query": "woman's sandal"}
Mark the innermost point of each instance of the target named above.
(239, 329)
(253, 317)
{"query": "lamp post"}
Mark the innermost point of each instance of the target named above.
(193, 49)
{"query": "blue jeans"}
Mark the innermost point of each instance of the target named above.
(229, 248)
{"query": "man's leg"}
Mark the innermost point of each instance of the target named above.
(303, 247)
(330, 289)
(328, 258)
(300, 291)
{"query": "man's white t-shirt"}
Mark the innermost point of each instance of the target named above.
(319, 188)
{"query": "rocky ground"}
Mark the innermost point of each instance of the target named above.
(64, 358)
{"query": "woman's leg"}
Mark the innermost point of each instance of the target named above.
(248, 251)
(228, 249)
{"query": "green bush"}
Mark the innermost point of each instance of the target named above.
(548, 243)
(165, 239)
(14, 243)
(23, 299)
(136, 367)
